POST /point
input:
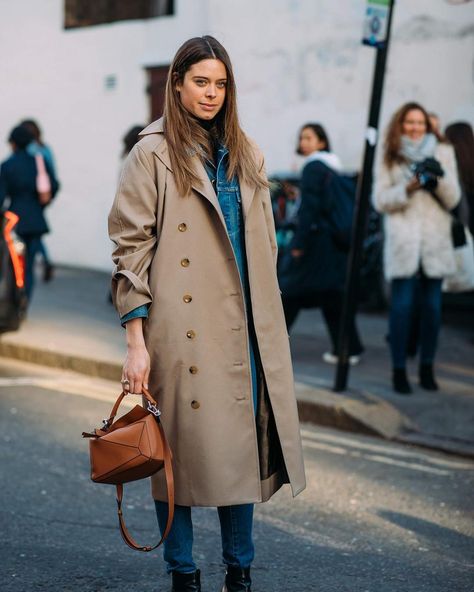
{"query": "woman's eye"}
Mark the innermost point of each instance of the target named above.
(201, 82)
(221, 84)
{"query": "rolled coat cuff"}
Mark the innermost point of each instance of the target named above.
(129, 292)
(139, 312)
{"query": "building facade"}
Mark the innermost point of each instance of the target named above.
(87, 70)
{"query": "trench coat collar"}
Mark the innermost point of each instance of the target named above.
(205, 187)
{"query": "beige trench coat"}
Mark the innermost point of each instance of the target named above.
(173, 253)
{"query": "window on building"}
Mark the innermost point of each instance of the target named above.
(157, 76)
(86, 13)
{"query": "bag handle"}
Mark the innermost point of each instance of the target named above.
(153, 409)
(170, 495)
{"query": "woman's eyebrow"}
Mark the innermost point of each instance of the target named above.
(206, 78)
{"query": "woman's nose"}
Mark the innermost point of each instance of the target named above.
(211, 90)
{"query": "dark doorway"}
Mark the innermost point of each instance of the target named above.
(86, 13)
(156, 90)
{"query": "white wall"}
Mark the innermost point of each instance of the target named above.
(295, 61)
(57, 76)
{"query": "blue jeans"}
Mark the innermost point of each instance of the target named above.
(33, 247)
(401, 317)
(236, 533)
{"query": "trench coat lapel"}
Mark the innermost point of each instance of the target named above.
(205, 188)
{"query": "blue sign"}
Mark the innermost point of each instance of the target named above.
(376, 23)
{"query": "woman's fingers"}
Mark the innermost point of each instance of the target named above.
(137, 369)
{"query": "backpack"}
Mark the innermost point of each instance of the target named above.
(339, 193)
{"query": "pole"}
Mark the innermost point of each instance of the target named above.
(364, 187)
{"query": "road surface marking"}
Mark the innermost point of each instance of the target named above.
(374, 458)
(387, 449)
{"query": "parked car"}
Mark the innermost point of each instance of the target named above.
(13, 300)
(285, 194)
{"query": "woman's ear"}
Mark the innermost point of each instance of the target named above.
(177, 82)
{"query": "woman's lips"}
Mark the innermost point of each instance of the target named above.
(207, 106)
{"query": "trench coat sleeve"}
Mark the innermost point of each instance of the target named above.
(312, 195)
(132, 227)
(390, 194)
(448, 189)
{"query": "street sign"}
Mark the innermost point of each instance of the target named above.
(375, 23)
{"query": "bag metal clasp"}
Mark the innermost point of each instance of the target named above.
(152, 408)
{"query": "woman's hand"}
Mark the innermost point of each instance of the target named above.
(136, 368)
(413, 185)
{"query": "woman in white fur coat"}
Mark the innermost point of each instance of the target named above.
(416, 187)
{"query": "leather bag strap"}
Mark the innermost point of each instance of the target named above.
(169, 485)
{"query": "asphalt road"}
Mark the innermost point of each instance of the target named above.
(375, 517)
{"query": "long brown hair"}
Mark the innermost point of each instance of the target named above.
(461, 136)
(393, 138)
(184, 135)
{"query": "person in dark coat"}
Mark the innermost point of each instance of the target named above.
(38, 146)
(18, 185)
(313, 273)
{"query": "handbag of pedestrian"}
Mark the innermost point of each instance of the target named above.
(130, 448)
(43, 182)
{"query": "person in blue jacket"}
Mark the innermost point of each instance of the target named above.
(38, 146)
(19, 194)
(313, 273)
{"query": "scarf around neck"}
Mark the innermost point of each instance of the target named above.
(418, 150)
(328, 158)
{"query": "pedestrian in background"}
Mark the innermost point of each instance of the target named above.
(129, 140)
(196, 288)
(18, 184)
(416, 187)
(461, 136)
(313, 274)
(37, 146)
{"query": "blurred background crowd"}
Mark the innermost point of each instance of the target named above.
(80, 74)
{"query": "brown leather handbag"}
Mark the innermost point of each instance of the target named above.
(131, 448)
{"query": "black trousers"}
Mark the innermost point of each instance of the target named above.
(330, 303)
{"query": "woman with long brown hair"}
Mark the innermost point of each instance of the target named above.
(416, 188)
(196, 288)
(461, 136)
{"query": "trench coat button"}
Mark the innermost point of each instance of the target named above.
(185, 262)
(195, 404)
(187, 298)
(193, 369)
(182, 227)
(190, 334)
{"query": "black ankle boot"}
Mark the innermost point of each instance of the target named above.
(237, 579)
(427, 379)
(186, 582)
(400, 381)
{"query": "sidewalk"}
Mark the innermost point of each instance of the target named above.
(72, 325)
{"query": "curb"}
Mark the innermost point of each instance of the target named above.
(44, 357)
(360, 412)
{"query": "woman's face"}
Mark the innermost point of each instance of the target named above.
(310, 142)
(203, 88)
(414, 124)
